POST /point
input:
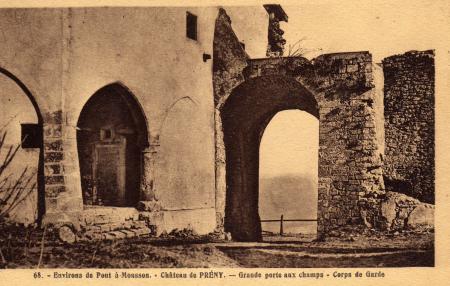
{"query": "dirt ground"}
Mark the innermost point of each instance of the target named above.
(400, 250)
(22, 248)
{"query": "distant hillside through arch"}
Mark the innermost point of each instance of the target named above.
(288, 171)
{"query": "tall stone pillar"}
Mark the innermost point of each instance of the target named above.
(149, 155)
(276, 42)
(63, 199)
(59, 196)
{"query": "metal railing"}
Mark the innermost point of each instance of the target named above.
(282, 220)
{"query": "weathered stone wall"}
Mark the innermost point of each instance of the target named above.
(409, 124)
(229, 62)
(32, 50)
(276, 42)
(65, 55)
(350, 177)
(170, 82)
(350, 174)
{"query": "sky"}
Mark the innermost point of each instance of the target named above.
(383, 28)
(290, 145)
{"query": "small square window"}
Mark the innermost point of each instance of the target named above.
(31, 135)
(191, 26)
(106, 134)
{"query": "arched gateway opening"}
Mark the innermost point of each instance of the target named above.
(288, 177)
(245, 116)
(112, 133)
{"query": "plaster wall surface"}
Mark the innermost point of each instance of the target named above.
(16, 109)
(31, 44)
(129, 45)
(65, 55)
(31, 53)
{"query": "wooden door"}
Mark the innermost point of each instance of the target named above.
(109, 172)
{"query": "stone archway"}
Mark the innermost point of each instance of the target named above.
(112, 133)
(350, 182)
(34, 138)
(245, 115)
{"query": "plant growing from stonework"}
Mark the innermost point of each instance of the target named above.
(13, 189)
(298, 49)
(295, 62)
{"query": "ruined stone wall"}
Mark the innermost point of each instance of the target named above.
(350, 174)
(350, 179)
(409, 124)
(229, 62)
(276, 41)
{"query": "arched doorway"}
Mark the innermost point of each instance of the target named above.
(112, 132)
(245, 116)
(21, 125)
